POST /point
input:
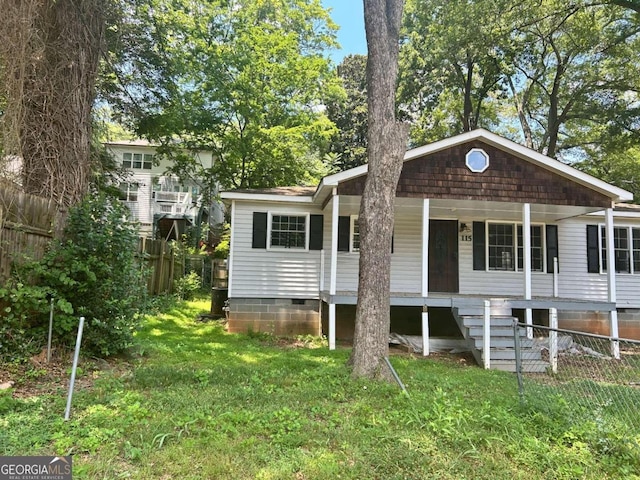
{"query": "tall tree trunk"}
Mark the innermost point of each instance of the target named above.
(51, 63)
(386, 146)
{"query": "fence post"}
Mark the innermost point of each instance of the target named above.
(516, 344)
(486, 335)
(553, 339)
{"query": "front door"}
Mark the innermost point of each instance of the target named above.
(443, 255)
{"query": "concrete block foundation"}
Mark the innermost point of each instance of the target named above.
(278, 316)
(598, 322)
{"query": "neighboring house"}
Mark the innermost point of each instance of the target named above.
(162, 204)
(477, 217)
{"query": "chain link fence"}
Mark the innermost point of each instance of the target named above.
(595, 378)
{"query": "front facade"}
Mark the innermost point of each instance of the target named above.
(162, 204)
(477, 217)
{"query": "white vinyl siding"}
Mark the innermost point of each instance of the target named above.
(277, 272)
(496, 283)
(292, 273)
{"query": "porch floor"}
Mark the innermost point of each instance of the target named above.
(450, 300)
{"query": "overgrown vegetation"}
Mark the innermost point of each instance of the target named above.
(201, 403)
(93, 271)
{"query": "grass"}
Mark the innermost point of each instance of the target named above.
(200, 403)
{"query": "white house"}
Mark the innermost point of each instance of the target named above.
(477, 217)
(162, 204)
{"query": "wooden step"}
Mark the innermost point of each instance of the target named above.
(502, 342)
(528, 367)
(506, 332)
(469, 321)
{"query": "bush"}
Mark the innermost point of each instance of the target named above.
(94, 271)
(187, 286)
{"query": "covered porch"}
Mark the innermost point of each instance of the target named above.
(441, 267)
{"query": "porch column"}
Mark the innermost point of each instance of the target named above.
(611, 282)
(425, 276)
(526, 249)
(335, 207)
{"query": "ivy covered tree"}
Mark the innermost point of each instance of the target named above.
(243, 79)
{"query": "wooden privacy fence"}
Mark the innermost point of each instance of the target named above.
(27, 224)
(164, 265)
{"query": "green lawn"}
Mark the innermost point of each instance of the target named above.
(200, 403)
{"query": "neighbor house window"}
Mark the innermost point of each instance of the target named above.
(506, 249)
(129, 192)
(622, 248)
(138, 161)
(289, 231)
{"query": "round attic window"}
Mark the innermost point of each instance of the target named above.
(477, 160)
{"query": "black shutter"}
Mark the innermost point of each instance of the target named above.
(593, 253)
(552, 246)
(259, 239)
(344, 232)
(316, 227)
(392, 238)
(479, 261)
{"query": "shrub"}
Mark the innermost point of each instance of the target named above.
(187, 286)
(94, 271)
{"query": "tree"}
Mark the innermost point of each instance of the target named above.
(49, 54)
(243, 79)
(386, 146)
(574, 73)
(452, 65)
(349, 114)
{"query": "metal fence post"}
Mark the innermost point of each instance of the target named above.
(516, 344)
(553, 339)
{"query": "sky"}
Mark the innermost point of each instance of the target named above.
(349, 15)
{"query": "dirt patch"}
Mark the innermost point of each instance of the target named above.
(38, 377)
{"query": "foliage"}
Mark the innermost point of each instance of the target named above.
(187, 286)
(452, 64)
(93, 272)
(243, 79)
(561, 78)
(348, 147)
(207, 404)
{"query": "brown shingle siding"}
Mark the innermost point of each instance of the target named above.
(509, 178)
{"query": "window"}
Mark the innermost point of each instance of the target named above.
(501, 243)
(537, 251)
(129, 192)
(622, 248)
(289, 231)
(355, 234)
(477, 160)
(506, 250)
(636, 249)
(139, 161)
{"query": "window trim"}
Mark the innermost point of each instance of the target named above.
(483, 153)
(516, 246)
(630, 250)
(306, 216)
(352, 223)
(127, 192)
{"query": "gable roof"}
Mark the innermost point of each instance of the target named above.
(328, 183)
